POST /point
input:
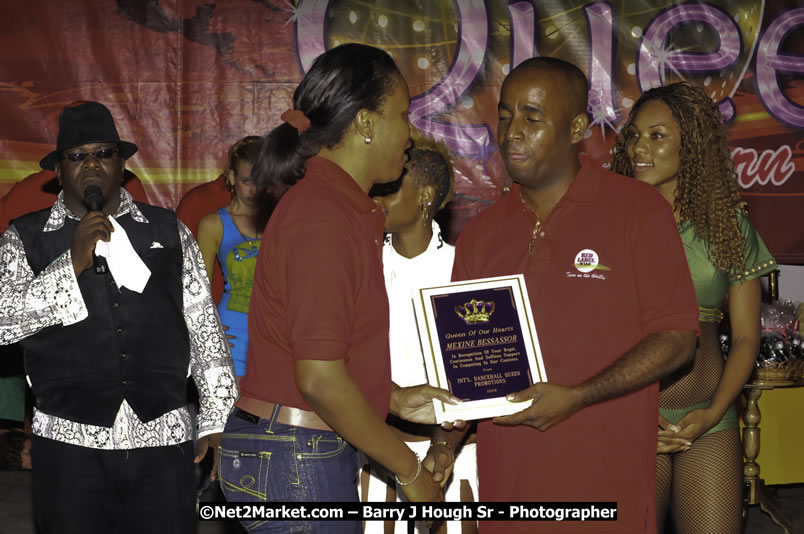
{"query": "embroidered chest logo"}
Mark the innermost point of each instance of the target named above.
(587, 263)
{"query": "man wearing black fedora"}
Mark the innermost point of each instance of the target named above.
(110, 301)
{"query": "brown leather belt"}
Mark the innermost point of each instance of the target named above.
(287, 415)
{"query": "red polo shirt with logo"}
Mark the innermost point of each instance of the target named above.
(631, 280)
(319, 294)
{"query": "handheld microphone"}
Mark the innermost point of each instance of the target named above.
(93, 201)
(93, 198)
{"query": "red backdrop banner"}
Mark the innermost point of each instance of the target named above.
(185, 79)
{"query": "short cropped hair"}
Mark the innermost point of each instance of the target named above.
(433, 164)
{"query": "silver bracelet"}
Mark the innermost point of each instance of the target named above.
(418, 472)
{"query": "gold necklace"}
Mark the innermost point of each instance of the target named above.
(537, 228)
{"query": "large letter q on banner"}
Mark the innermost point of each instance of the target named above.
(466, 139)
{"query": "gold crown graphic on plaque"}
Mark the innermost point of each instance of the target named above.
(475, 311)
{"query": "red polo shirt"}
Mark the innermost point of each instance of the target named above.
(320, 293)
(631, 280)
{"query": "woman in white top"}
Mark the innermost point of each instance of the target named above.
(415, 255)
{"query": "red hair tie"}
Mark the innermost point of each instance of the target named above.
(297, 119)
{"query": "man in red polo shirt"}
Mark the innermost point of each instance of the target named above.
(613, 305)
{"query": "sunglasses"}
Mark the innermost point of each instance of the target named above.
(101, 153)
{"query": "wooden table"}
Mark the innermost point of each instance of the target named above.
(757, 493)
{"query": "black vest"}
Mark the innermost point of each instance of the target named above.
(131, 346)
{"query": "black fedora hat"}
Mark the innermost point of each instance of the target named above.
(82, 123)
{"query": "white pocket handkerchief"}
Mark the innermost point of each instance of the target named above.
(156, 244)
(126, 266)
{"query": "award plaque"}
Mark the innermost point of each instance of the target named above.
(479, 342)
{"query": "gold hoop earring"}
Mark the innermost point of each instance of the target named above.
(424, 214)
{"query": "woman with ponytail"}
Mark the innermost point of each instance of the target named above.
(318, 383)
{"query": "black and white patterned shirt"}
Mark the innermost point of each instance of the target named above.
(30, 303)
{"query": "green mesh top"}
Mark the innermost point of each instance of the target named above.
(711, 283)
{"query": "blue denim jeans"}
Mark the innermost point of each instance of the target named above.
(268, 461)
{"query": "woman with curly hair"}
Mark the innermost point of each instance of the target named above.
(674, 140)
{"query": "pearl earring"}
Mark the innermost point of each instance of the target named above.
(367, 140)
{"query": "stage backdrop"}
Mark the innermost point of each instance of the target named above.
(186, 78)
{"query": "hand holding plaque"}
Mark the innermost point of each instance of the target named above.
(479, 342)
(551, 404)
(415, 403)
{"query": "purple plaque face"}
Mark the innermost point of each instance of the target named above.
(481, 342)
